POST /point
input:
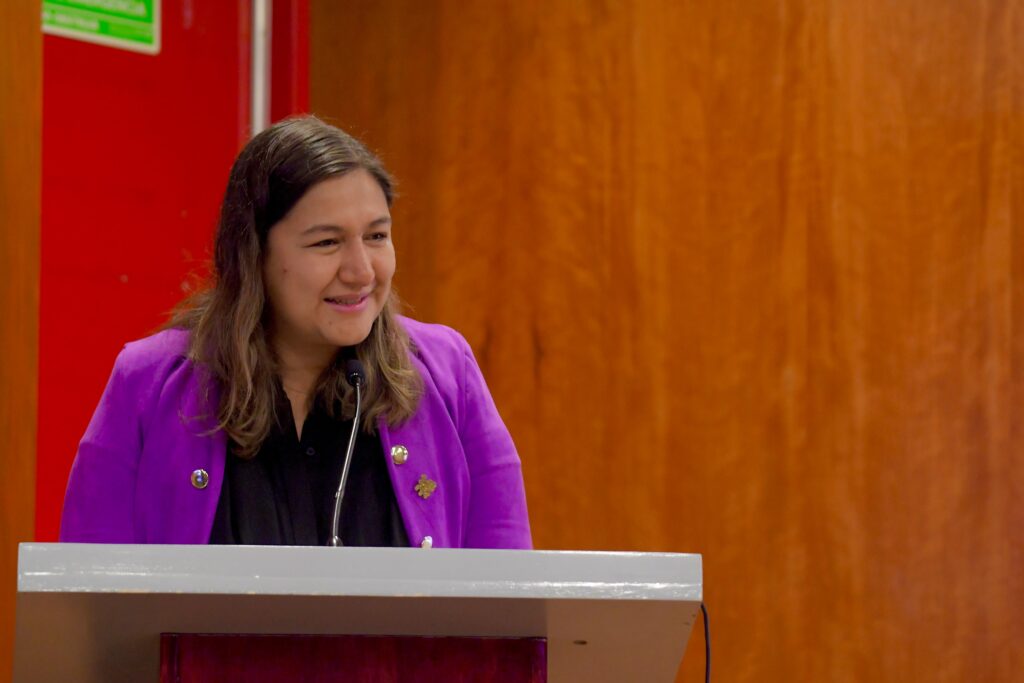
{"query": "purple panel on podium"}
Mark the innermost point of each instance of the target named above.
(202, 658)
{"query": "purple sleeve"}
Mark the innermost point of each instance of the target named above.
(497, 506)
(98, 504)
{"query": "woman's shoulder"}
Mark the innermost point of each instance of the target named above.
(164, 350)
(433, 337)
(156, 347)
(437, 346)
(145, 368)
(441, 352)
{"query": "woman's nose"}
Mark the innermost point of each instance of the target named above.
(356, 266)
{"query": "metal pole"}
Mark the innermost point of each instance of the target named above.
(260, 84)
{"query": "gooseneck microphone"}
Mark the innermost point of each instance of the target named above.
(356, 376)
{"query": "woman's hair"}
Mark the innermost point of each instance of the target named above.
(228, 319)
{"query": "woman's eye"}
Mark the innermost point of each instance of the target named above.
(325, 243)
(378, 236)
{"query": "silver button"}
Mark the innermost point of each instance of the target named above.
(399, 454)
(200, 479)
(427, 542)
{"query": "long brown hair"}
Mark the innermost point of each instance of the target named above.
(227, 320)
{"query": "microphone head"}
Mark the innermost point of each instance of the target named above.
(354, 373)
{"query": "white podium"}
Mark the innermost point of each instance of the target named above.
(95, 613)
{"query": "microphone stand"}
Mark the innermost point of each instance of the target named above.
(355, 376)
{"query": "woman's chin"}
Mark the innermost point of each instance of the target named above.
(347, 338)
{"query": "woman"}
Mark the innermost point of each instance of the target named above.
(230, 426)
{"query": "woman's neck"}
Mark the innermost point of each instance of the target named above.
(299, 372)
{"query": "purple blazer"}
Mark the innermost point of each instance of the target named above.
(132, 480)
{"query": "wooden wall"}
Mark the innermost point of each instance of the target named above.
(21, 59)
(746, 279)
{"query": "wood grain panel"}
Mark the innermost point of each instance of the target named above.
(21, 60)
(746, 279)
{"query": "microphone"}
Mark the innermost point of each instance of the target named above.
(354, 373)
(356, 377)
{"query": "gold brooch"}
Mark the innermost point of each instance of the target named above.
(425, 487)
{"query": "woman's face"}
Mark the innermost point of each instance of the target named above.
(329, 265)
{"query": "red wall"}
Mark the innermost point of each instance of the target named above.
(136, 151)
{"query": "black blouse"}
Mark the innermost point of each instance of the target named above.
(285, 494)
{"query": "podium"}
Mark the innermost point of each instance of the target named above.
(135, 613)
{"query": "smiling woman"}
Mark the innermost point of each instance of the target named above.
(229, 425)
(328, 275)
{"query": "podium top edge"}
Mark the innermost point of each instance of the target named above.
(377, 572)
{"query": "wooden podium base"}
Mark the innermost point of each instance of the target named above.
(203, 658)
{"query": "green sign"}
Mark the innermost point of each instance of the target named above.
(127, 24)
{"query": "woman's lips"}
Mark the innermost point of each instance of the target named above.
(348, 304)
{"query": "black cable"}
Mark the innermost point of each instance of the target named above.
(707, 644)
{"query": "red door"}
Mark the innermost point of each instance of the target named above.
(136, 151)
